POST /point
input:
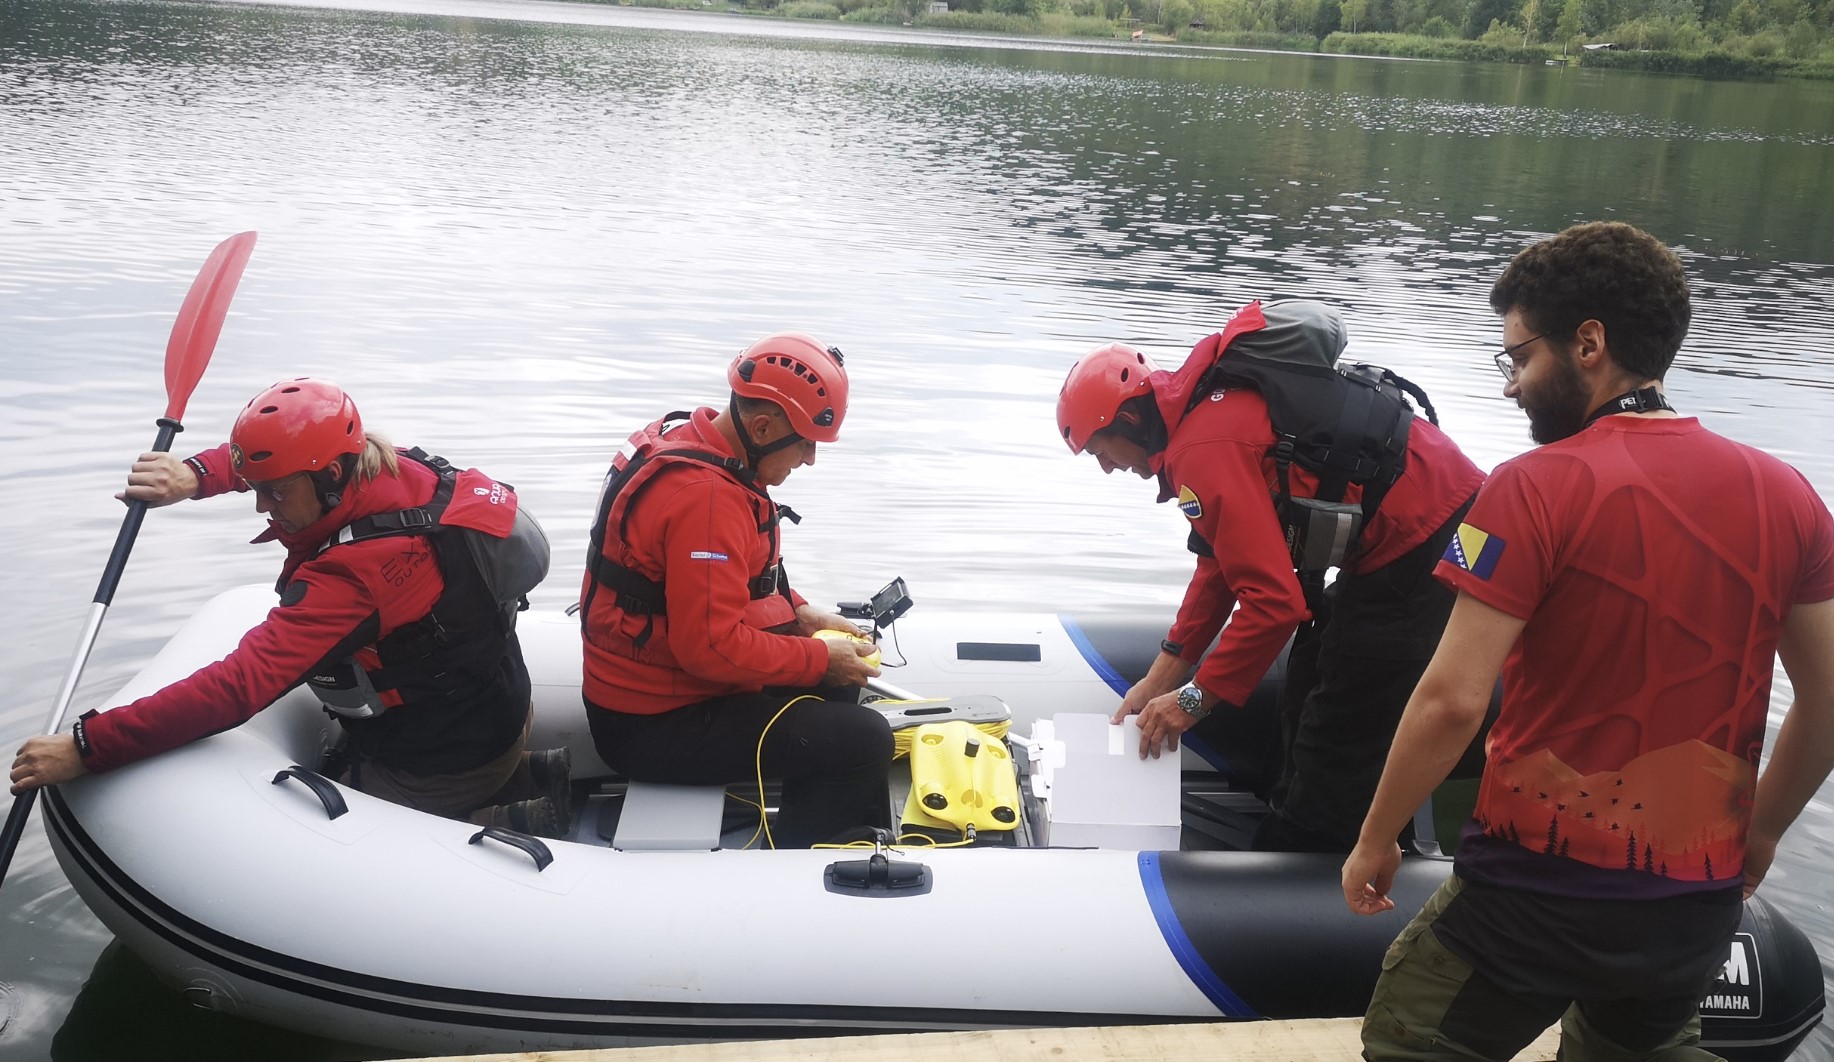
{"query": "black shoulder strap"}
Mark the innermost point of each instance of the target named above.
(418, 520)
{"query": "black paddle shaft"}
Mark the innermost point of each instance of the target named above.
(130, 525)
(105, 593)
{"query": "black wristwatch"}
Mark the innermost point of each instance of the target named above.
(1191, 702)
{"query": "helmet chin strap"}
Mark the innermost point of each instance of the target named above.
(753, 451)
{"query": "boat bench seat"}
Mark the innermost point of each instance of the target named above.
(670, 818)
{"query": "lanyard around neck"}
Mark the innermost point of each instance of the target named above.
(1641, 400)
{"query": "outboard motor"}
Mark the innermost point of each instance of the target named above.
(1274, 934)
(1770, 994)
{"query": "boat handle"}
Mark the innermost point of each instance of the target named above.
(322, 787)
(535, 849)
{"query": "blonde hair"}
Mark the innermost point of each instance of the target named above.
(378, 456)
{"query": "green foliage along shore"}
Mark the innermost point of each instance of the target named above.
(1712, 38)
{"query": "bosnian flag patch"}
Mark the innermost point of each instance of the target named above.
(1475, 551)
(708, 555)
(1188, 503)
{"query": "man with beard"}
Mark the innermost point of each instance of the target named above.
(1634, 579)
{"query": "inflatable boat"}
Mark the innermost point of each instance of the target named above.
(254, 885)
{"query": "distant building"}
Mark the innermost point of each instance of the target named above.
(939, 7)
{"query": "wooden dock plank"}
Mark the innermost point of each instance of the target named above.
(1321, 1040)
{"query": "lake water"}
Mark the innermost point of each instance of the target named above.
(518, 231)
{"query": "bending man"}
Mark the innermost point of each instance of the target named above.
(1360, 645)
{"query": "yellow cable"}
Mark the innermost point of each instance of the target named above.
(928, 842)
(763, 819)
(754, 833)
(902, 737)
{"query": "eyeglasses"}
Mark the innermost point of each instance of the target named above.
(273, 489)
(1506, 358)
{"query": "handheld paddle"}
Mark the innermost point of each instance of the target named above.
(194, 336)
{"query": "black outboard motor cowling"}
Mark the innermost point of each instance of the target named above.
(1770, 994)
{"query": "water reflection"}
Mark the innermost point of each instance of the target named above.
(123, 1011)
(518, 241)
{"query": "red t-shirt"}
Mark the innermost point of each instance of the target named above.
(1655, 563)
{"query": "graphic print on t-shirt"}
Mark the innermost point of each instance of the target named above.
(1634, 817)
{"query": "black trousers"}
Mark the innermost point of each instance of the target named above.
(831, 755)
(1348, 677)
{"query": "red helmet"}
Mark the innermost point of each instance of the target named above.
(800, 374)
(300, 425)
(1097, 385)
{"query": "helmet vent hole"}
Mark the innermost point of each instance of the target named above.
(262, 455)
(1124, 373)
(289, 390)
(270, 409)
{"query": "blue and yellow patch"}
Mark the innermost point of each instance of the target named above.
(1188, 503)
(1475, 551)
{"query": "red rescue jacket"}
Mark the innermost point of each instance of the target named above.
(683, 597)
(336, 604)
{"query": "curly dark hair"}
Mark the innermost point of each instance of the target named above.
(1607, 271)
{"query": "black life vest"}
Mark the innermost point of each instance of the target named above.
(452, 689)
(1346, 424)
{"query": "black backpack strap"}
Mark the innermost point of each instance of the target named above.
(1343, 461)
(1416, 392)
(418, 520)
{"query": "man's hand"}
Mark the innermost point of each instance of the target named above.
(847, 665)
(46, 761)
(1759, 853)
(810, 619)
(1368, 875)
(159, 479)
(1165, 676)
(1135, 701)
(1161, 721)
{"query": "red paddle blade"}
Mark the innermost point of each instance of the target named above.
(200, 319)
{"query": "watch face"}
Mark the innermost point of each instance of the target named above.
(1191, 699)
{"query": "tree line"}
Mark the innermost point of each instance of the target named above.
(1747, 36)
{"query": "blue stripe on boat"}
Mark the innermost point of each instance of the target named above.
(1194, 965)
(1100, 666)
